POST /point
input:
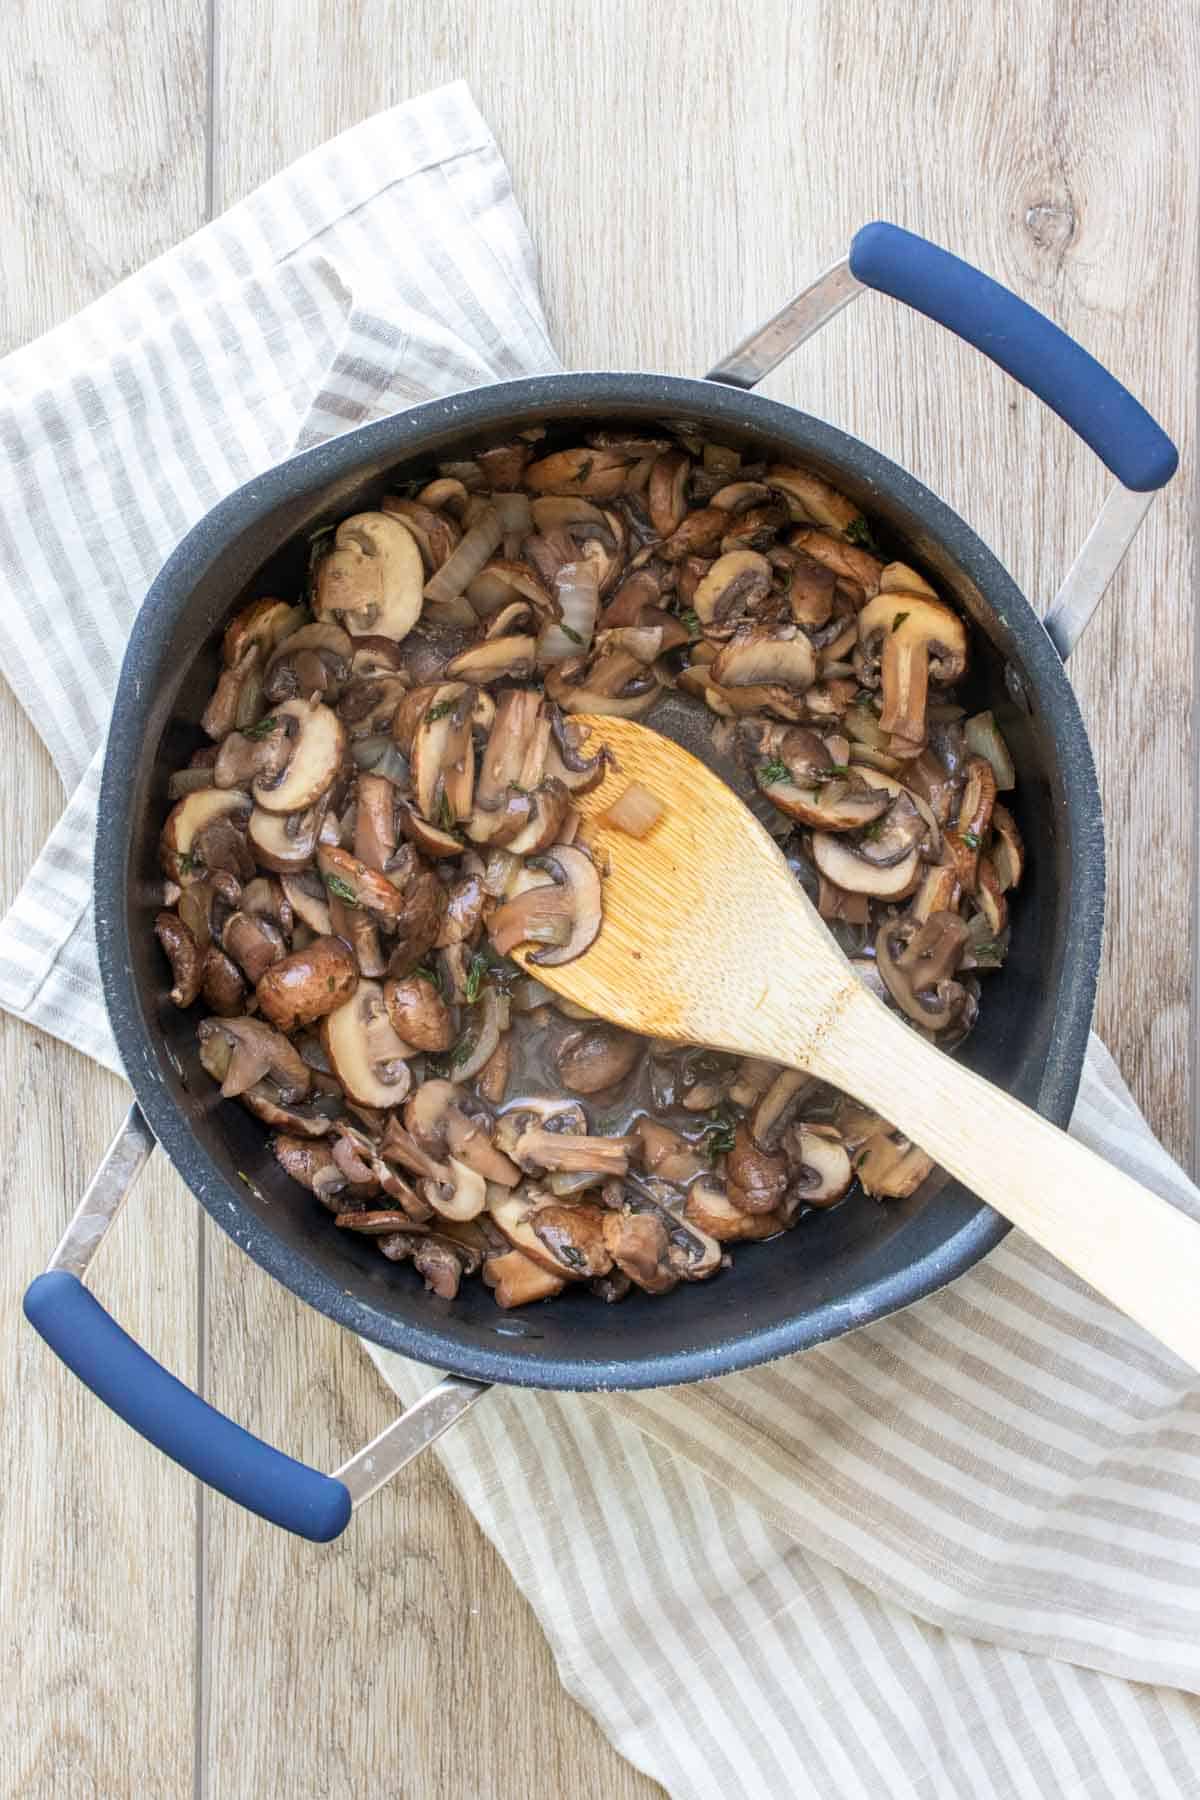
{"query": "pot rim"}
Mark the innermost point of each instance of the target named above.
(405, 434)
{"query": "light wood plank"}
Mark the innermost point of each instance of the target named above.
(102, 168)
(682, 174)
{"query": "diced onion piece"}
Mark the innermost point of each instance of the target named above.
(983, 739)
(860, 723)
(578, 597)
(467, 558)
(636, 811)
(514, 512)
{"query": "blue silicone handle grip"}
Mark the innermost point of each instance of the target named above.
(146, 1396)
(1024, 342)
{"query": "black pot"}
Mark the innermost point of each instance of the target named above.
(838, 1269)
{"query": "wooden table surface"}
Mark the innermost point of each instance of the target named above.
(682, 170)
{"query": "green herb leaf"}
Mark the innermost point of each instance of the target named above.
(477, 974)
(440, 710)
(989, 955)
(970, 839)
(584, 469)
(718, 1137)
(263, 729)
(873, 832)
(898, 621)
(433, 975)
(445, 815)
(769, 773)
(691, 619)
(836, 769)
(341, 889)
(567, 632)
(859, 532)
(187, 863)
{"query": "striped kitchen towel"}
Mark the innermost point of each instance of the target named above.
(955, 1553)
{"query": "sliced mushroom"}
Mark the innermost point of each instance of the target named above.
(974, 820)
(574, 1237)
(353, 883)
(918, 961)
(819, 1164)
(240, 1052)
(539, 1151)
(496, 659)
(711, 1210)
(317, 752)
(849, 561)
(890, 1167)
(373, 578)
(599, 474)
(785, 1093)
(773, 657)
(286, 844)
(572, 870)
(189, 819)
(221, 984)
(418, 1013)
(516, 1280)
(308, 984)
(841, 862)
(463, 1197)
(185, 956)
(364, 1051)
(639, 1246)
(596, 1057)
(666, 495)
(261, 757)
(809, 498)
(254, 944)
(316, 659)
(443, 756)
(801, 778)
(415, 931)
(699, 534)
(734, 586)
(1007, 849)
(309, 1161)
(758, 1178)
(262, 626)
(904, 638)
(436, 533)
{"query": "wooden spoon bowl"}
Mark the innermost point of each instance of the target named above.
(709, 939)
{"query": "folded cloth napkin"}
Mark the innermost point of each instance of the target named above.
(954, 1553)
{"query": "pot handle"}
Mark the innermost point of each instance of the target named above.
(177, 1421)
(1023, 342)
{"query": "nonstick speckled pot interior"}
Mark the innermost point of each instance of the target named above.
(836, 1269)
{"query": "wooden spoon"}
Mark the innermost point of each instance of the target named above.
(708, 939)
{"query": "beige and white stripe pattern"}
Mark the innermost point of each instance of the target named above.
(956, 1553)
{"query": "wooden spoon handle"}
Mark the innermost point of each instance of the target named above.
(1135, 1249)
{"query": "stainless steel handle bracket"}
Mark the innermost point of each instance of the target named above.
(1116, 526)
(370, 1468)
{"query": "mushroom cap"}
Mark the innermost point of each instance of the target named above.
(734, 585)
(306, 985)
(373, 578)
(808, 497)
(569, 866)
(192, 815)
(365, 1054)
(840, 863)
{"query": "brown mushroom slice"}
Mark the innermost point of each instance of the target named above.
(666, 493)
(443, 757)
(786, 1091)
(375, 821)
(189, 818)
(461, 1198)
(710, 1209)
(240, 1052)
(464, 911)
(596, 1057)
(1007, 849)
(309, 1161)
(839, 862)
(549, 810)
(221, 984)
(613, 684)
(512, 1212)
(820, 1167)
(373, 578)
(496, 659)
(909, 637)
(966, 839)
(478, 1043)
(830, 804)
(469, 1140)
(415, 931)
(236, 697)
(260, 756)
(754, 1077)
(736, 583)
(537, 1150)
(436, 533)
(890, 1167)
(316, 659)
(939, 891)
(365, 1054)
(917, 961)
(782, 657)
(351, 881)
(849, 561)
(699, 534)
(807, 497)
(377, 1223)
(184, 955)
(541, 913)
(516, 1280)
(254, 944)
(262, 625)
(574, 1237)
(758, 1178)
(286, 844)
(571, 869)
(318, 748)
(427, 837)
(639, 1246)
(598, 474)
(306, 985)
(418, 1013)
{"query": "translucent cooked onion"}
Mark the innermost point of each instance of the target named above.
(498, 871)
(188, 781)
(467, 558)
(578, 597)
(514, 512)
(983, 739)
(635, 812)
(381, 757)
